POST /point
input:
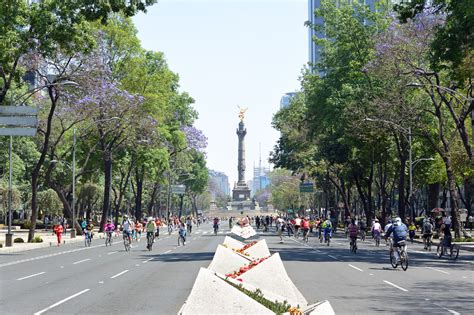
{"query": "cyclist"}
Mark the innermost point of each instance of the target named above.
(297, 226)
(305, 228)
(411, 231)
(446, 229)
(363, 228)
(347, 221)
(376, 231)
(189, 224)
(230, 223)
(353, 230)
(158, 224)
(150, 231)
(215, 224)
(109, 228)
(327, 226)
(90, 229)
(138, 230)
(400, 231)
(127, 228)
(427, 231)
(182, 234)
(389, 224)
(83, 225)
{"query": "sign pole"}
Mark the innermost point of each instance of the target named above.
(9, 236)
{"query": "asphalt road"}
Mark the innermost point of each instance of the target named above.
(73, 279)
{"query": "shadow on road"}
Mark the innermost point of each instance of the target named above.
(176, 257)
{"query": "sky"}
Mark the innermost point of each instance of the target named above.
(231, 53)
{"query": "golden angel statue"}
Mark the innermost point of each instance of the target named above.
(242, 112)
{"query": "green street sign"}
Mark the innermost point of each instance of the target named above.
(289, 210)
(306, 187)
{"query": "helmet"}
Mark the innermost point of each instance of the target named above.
(376, 220)
(109, 220)
(150, 219)
(125, 216)
(398, 221)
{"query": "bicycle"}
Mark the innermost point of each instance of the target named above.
(108, 239)
(150, 240)
(442, 249)
(353, 245)
(377, 238)
(126, 241)
(305, 236)
(327, 237)
(181, 239)
(88, 239)
(402, 254)
(362, 235)
(427, 242)
(216, 228)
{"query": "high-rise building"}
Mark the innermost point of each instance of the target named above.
(314, 50)
(220, 181)
(261, 176)
(286, 99)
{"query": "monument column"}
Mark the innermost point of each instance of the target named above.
(241, 132)
(241, 191)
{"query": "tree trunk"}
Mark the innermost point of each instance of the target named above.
(139, 174)
(36, 171)
(433, 195)
(401, 189)
(107, 188)
(454, 197)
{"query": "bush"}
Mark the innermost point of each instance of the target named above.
(462, 239)
(1, 245)
(37, 239)
(18, 240)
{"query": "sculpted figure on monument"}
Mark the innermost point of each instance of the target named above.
(242, 112)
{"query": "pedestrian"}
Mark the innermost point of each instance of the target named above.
(46, 222)
(58, 230)
(411, 231)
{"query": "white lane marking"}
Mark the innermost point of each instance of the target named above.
(119, 274)
(101, 282)
(111, 253)
(205, 232)
(137, 265)
(396, 286)
(438, 270)
(194, 238)
(49, 255)
(36, 274)
(62, 267)
(464, 277)
(333, 257)
(444, 308)
(355, 267)
(453, 312)
(61, 302)
(80, 261)
(371, 274)
(148, 260)
(168, 251)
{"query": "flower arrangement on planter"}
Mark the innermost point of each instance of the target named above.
(244, 269)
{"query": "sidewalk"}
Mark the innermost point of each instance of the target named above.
(467, 246)
(49, 240)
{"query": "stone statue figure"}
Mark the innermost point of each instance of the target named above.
(242, 112)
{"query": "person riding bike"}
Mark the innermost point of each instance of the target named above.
(150, 231)
(215, 224)
(427, 231)
(189, 224)
(412, 231)
(363, 228)
(399, 231)
(327, 226)
(127, 228)
(90, 229)
(182, 234)
(353, 230)
(376, 230)
(138, 230)
(109, 228)
(305, 227)
(389, 224)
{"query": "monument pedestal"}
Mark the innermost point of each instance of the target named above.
(241, 193)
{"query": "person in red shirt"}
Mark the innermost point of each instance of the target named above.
(305, 228)
(58, 230)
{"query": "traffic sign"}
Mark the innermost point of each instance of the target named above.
(306, 187)
(178, 189)
(18, 121)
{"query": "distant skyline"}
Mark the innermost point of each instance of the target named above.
(229, 53)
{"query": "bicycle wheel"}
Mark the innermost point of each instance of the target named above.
(439, 250)
(393, 259)
(404, 260)
(454, 251)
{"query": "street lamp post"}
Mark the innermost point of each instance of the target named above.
(73, 230)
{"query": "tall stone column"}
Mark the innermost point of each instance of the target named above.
(241, 132)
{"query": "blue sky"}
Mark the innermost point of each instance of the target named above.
(229, 53)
